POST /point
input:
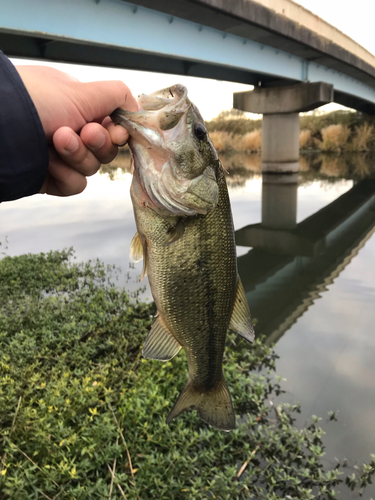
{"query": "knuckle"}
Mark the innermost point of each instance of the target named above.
(91, 167)
(108, 153)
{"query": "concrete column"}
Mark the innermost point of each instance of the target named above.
(280, 107)
(279, 201)
(280, 142)
(279, 218)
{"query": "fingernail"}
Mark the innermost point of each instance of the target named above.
(97, 140)
(72, 145)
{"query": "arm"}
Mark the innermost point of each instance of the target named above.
(23, 146)
(73, 126)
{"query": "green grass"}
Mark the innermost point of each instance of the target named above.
(82, 415)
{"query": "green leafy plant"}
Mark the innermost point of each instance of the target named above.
(82, 415)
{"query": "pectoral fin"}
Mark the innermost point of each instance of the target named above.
(176, 232)
(138, 251)
(241, 320)
(160, 343)
(136, 248)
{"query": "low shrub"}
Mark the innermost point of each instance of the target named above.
(82, 415)
(235, 126)
(305, 139)
(317, 120)
(334, 138)
(362, 138)
(222, 141)
(250, 142)
(336, 132)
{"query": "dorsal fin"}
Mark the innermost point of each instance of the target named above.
(138, 251)
(240, 321)
(160, 343)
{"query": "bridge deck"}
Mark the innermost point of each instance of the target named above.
(240, 41)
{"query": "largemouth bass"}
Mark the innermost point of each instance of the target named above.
(185, 236)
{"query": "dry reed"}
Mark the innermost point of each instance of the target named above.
(362, 136)
(250, 142)
(334, 138)
(222, 141)
(305, 139)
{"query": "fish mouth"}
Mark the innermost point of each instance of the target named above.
(161, 110)
(160, 124)
(168, 98)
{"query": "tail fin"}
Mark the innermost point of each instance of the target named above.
(213, 406)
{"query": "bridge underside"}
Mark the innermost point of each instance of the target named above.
(91, 54)
(204, 38)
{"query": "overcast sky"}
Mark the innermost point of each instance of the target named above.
(355, 19)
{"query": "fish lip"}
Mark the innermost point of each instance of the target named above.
(116, 115)
(149, 102)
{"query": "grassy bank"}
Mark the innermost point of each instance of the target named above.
(82, 415)
(337, 132)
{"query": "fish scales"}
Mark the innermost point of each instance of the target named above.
(194, 282)
(185, 236)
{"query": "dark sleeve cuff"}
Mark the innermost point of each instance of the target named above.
(23, 145)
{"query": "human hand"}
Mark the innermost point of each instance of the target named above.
(75, 119)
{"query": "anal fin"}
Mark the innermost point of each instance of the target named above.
(240, 321)
(160, 343)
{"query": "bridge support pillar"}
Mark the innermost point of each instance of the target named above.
(280, 142)
(280, 107)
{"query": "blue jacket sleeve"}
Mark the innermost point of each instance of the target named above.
(23, 145)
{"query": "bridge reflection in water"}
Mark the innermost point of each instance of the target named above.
(290, 264)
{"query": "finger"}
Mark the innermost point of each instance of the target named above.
(61, 179)
(119, 135)
(98, 140)
(96, 100)
(74, 152)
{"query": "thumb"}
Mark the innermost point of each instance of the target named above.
(96, 100)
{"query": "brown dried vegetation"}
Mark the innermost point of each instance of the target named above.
(250, 142)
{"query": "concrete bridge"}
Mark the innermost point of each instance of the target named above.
(295, 60)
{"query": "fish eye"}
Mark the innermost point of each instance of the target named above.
(200, 131)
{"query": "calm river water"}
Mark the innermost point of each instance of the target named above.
(306, 257)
